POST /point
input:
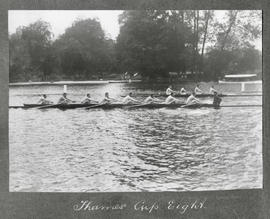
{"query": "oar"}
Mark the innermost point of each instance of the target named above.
(94, 106)
(48, 106)
(138, 105)
(188, 105)
(254, 105)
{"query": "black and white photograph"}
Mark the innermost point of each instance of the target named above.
(135, 100)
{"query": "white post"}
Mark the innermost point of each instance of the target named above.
(65, 88)
(242, 86)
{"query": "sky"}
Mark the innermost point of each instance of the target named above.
(61, 19)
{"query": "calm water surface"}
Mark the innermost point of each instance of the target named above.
(133, 150)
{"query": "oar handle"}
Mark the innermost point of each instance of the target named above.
(138, 105)
(97, 105)
(190, 105)
(48, 106)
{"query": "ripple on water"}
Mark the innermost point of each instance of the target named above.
(135, 150)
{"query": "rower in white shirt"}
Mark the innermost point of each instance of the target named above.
(171, 100)
(183, 91)
(151, 99)
(192, 99)
(169, 91)
(88, 99)
(64, 99)
(43, 100)
(128, 99)
(212, 90)
(197, 90)
(107, 99)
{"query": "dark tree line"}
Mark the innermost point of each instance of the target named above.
(152, 42)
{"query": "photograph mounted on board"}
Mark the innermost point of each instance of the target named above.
(141, 100)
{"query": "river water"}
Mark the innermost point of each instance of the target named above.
(133, 150)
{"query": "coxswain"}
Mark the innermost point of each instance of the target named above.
(216, 99)
(64, 99)
(192, 99)
(43, 100)
(129, 99)
(212, 90)
(171, 100)
(151, 99)
(183, 91)
(197, 90)
(88, 100)
(169, 91)
(107, 99)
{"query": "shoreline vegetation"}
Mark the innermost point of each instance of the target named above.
(153, 45)
(30, 83)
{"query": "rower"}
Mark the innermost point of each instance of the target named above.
(169, 91)
(192, 99)
(183, 91)
(128, 99)
(64, 99)
(88, 100)
(216, 99)
(151, 99)
(197, 90)
(107, 99)
(43, 100)
(212, 90)
(171, 100)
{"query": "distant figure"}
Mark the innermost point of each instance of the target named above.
(216, 100)
(43, 100)
(192, 99)
(169, 91)
(128, 99)
(197, 90)
(88, 100)
(183, 91)
(107, 99)
(212, 90)
(171, 100)
(151, 99)
(64, 99)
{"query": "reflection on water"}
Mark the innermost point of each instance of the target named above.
(134, 150)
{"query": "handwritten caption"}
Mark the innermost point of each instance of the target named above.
(182, 206)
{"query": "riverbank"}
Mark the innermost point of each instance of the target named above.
(72, 82)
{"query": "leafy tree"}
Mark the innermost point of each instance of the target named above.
(30, 51)
(243, 60)
(241, 28)
(152, 42)
(83, 51)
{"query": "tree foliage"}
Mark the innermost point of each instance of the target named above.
(151, 42)
(83, 49)
(30, 51)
